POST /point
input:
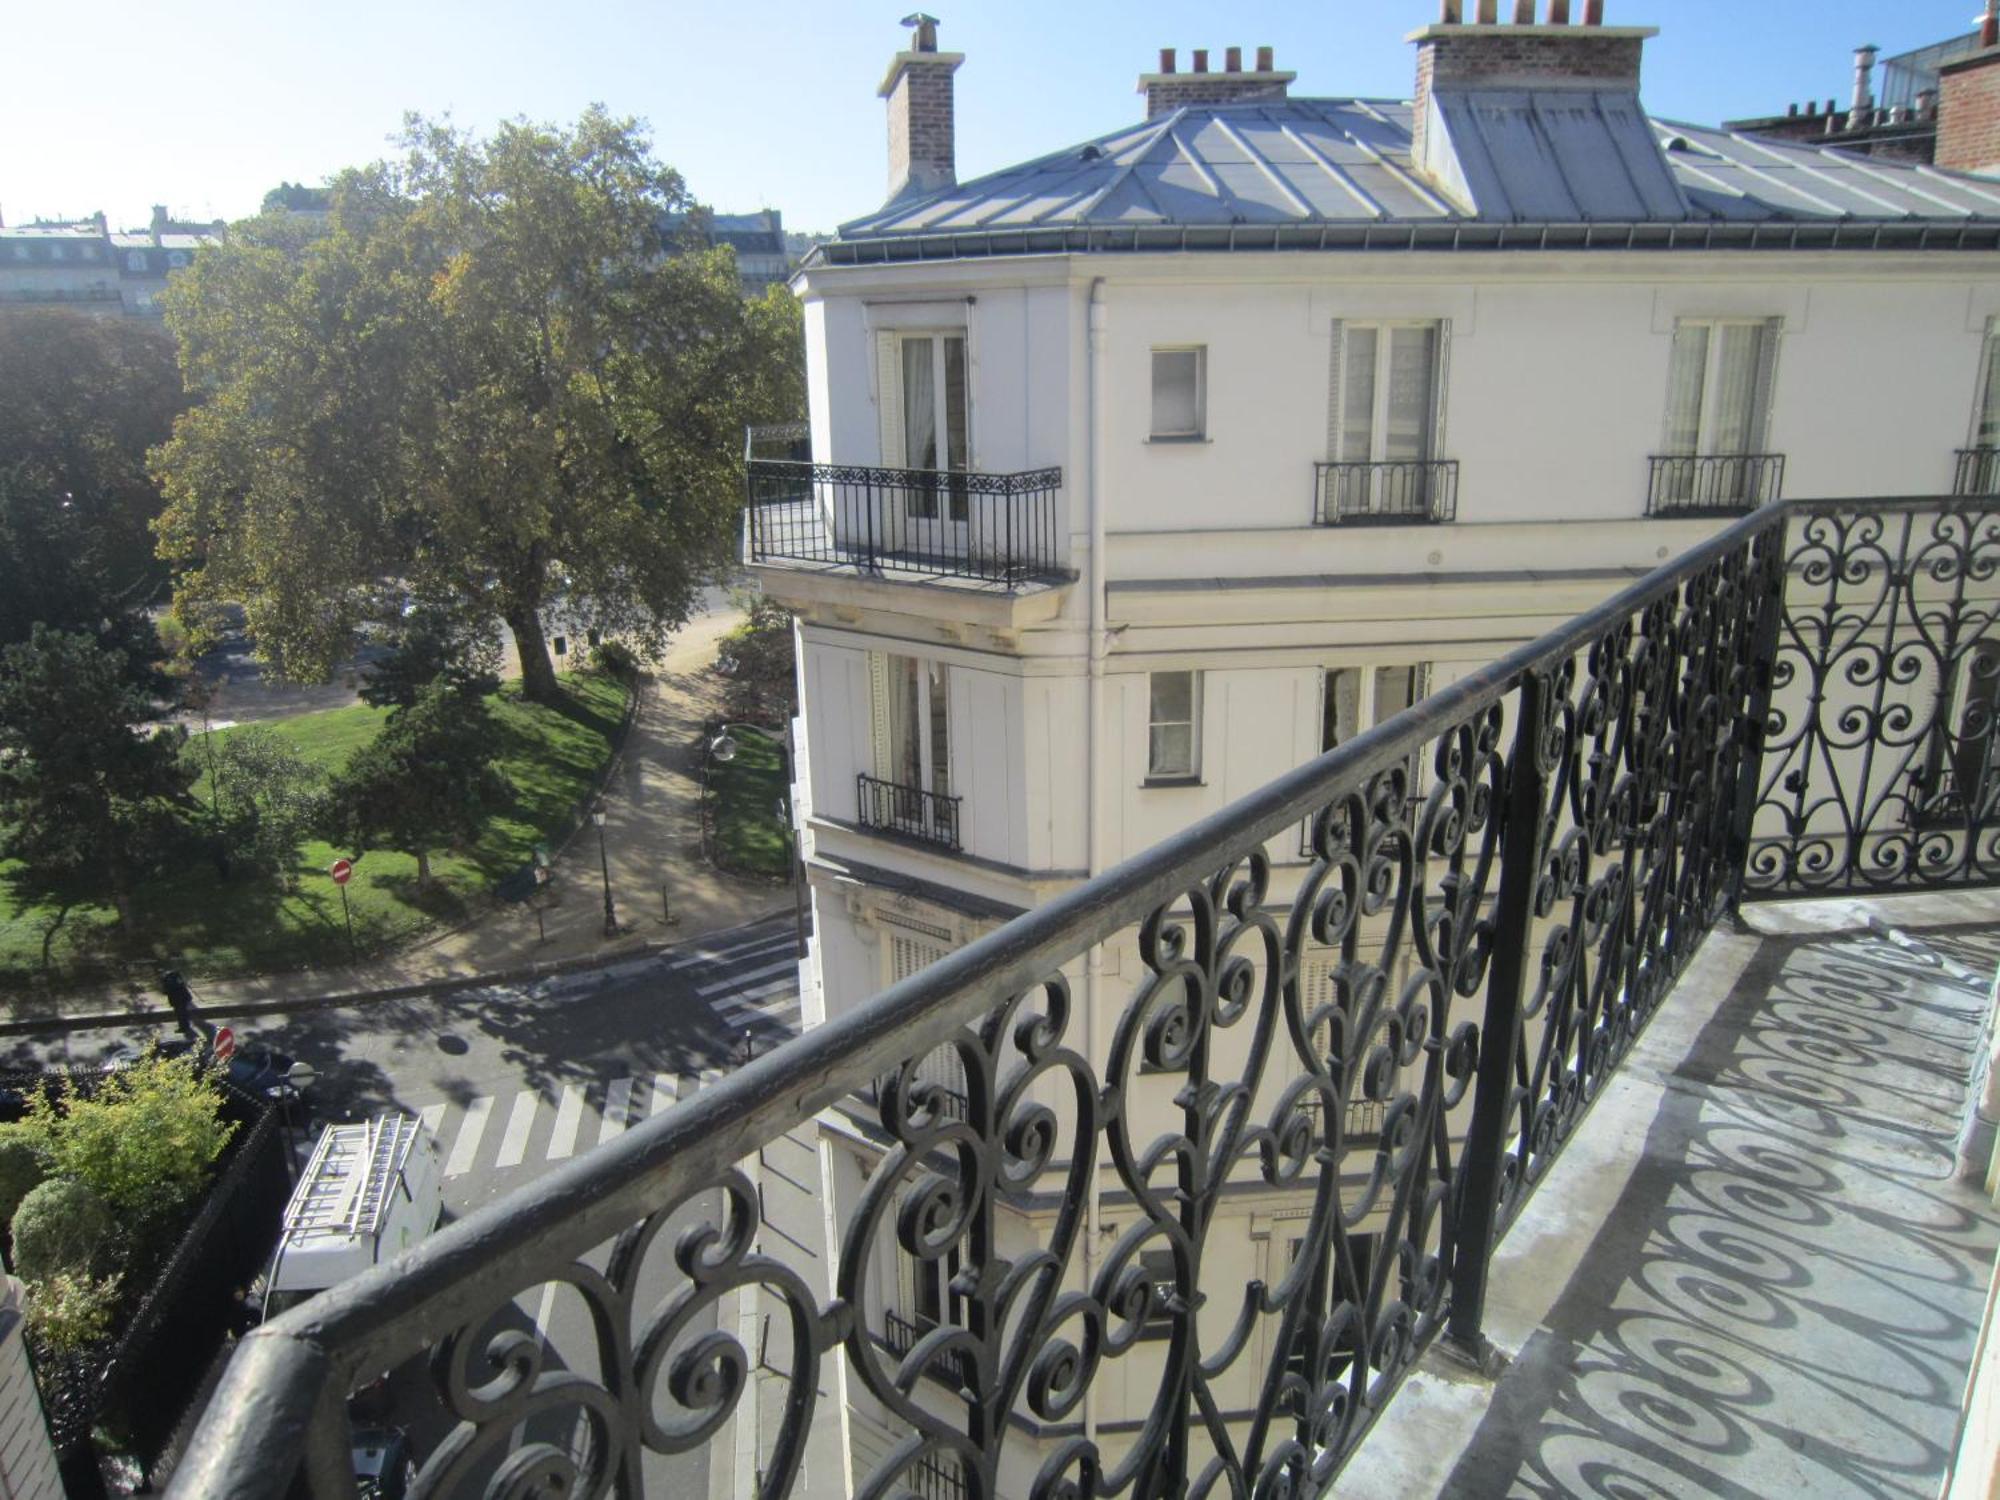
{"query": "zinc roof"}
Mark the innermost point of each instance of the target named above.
(1556, 157)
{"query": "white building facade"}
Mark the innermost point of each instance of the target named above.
(1150, 469)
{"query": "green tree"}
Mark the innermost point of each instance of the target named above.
(296, 197)
(484, 377)
(86, 794)
(82, 399)
(24, 1165)
(267, 797)
(425, 782)
(756, 657)
(434, 644)
(145, 1141)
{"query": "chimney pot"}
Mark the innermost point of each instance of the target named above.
(1559, 12)
(1832, 105)
(1926, 104)
(1201, 59)
(926, 30)
(1593, 12)
(1791, 109)
(1989, 25)
(1232, 60)
(1812, 108)
(1450, 14)
(1166, 59)
(1489, 12)
(1524, 12)
(1265, 60)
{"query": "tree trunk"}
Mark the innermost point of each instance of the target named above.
(538, 673)
(423, 869)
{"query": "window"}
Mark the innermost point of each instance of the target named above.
(927, 426)
(1390, 691)
(1720, 376)
(1173, 748)
(1180, 394)
(1979, 467)
(911, 791)
(1384, 420)
(135, 260)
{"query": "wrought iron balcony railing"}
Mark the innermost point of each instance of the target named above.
(949, 523)
(891, 807)
(1977, 472)
(1740, 722)
(1717, 484)
(1394, 493)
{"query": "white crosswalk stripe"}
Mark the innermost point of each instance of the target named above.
(663, 1092)
(617, 1100)
(569, 1115)
(514, 1145)
(465, 1151)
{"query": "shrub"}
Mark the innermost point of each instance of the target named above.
(268, 797)
(24, 1164)
(145, 1141)
(68, 1310)
(62, 1226)
(756, 657)
(614, 659)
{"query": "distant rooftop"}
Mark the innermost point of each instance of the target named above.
(1541, 167)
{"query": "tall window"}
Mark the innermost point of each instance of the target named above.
(936, 418)
(1390, 691)
(1718, 386)
(1180, 395)
(1173, 741)
(1384, 417)
(1979, 469)
(913, 742)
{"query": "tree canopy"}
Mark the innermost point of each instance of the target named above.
(486, 376)
(82, 398)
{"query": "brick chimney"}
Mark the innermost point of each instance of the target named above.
(918, 89)
(1170, 89)
(1487, 54)
(159, 226)
(1968, 104)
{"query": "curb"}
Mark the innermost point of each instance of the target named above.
(546, 968)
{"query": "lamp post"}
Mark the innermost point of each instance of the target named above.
(723, 748)
(291, 1096)
(604, 863)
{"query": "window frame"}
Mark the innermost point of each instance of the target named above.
(1984, 390)
(1384, 330)
(1757, 420)
(1199, 432)
(1191, 774)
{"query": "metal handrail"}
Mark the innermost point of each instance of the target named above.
(947, 523)
(1976, 471)
(1388, 492)
(283, 1395)
(1727, 484)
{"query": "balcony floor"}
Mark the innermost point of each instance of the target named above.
(1754, 1272)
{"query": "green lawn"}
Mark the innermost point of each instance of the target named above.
(211, 926)
(744, 796)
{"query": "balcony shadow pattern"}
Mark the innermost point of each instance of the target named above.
(1786, 1296)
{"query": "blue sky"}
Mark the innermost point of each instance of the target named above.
(203, 106)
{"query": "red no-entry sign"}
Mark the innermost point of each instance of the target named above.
(341, 870)
(225, 1044)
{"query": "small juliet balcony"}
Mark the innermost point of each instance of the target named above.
(1977, 472)
(907, 811)
(1394, 492)
(1713, 484)
(811, 525)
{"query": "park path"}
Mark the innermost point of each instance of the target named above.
(652, 838)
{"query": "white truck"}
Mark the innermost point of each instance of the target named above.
(371, 1190)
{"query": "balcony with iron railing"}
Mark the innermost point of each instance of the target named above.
(997, 530)
(1697, 1185)
(1712, 484)
(1976, 472)
(910, 812)
(1396, 492)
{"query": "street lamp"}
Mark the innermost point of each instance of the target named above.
(723, 748)
(291, 1095)
(604, 863)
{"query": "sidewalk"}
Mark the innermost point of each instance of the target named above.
(652, 837)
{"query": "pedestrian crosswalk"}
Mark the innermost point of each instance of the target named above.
(544, 1128)
(749, 979)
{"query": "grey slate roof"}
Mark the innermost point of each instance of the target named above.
(1575, 167)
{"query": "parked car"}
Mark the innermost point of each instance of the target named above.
(383, 1466)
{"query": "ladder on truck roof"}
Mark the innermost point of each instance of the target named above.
(348, 1184)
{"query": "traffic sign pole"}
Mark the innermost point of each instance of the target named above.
(342, 871)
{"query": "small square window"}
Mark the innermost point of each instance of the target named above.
(1174, 725)
(1180, 395)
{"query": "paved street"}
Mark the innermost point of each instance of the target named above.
(514, 1079)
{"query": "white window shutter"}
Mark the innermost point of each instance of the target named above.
(889, 399)
(1334, 367)
(878, 704)
(1439, 385)
(1767, 385)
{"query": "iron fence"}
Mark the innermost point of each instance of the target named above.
(1723, 484)
(1976, 472)
(951, 523)
(908, 811)
(1592, 804)
(1392, 493)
